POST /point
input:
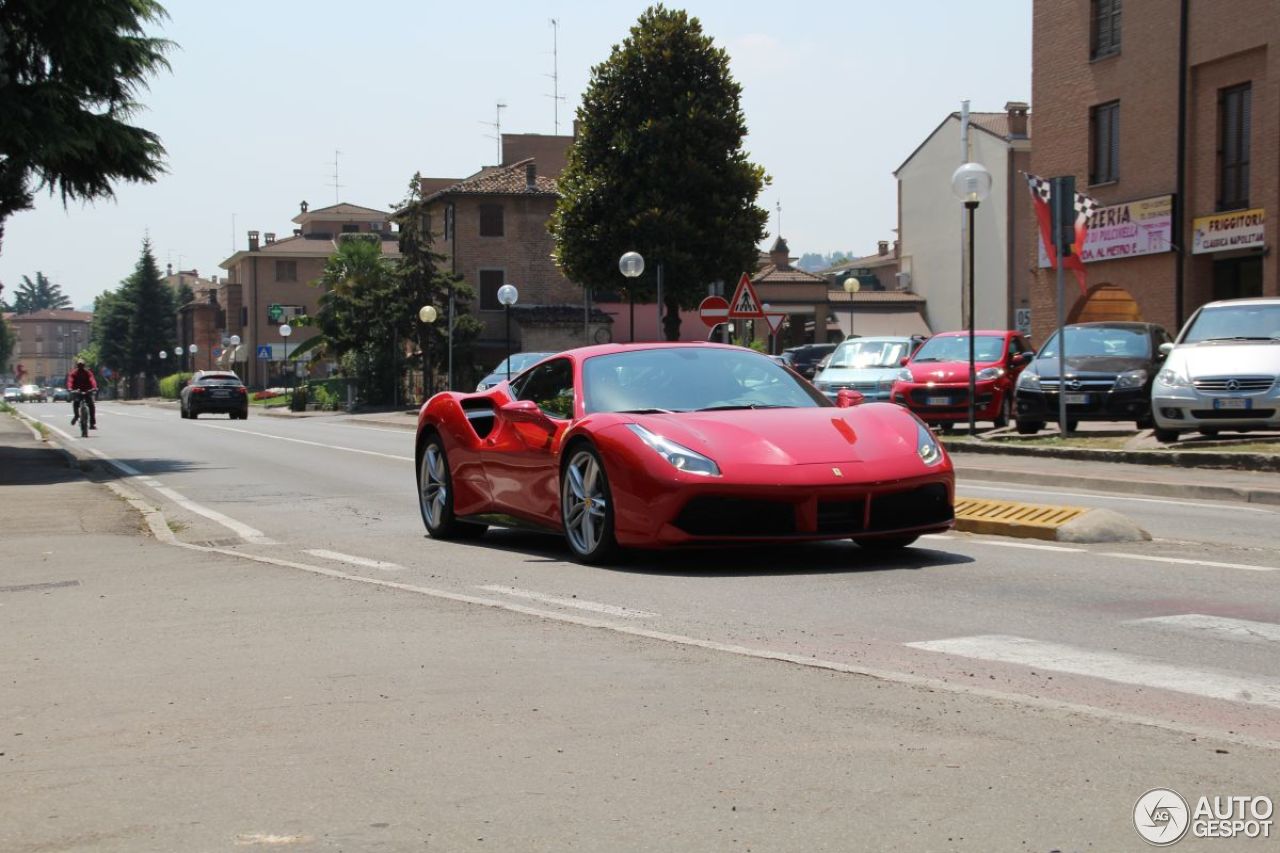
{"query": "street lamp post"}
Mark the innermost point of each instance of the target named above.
(427, 314)
(193, 349)
(180, 361)
(851, 286)
(631, 265)
(507, 295)
(235, 350)
(285, 331)
(971, 183)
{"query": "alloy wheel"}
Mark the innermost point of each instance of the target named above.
(585, 503)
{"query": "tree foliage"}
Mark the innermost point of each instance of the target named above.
(70, 72)
(658, 167)
(7, 342)
(39, 295)
(133, 323)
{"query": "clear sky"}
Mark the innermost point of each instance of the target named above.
(263, 92)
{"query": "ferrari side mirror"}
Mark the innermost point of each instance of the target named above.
(525, 412)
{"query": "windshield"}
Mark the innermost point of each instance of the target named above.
(519, 361)
(1083, 341)
(682, 379)
(956, 348)
(1232, 323)
(868, 352)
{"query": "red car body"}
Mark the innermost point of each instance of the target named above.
(938, 387)
(810, 471)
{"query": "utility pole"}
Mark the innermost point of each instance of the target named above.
(496, 124)
(555, 95)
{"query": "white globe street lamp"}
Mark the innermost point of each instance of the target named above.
(971, 183)
(631, 265)
(427, 315)
(285, 331)
(507, 295)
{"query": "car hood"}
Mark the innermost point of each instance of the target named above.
(1220, 358)
(1093, 364)
(868, 432)
(857, 374)
(945, 371)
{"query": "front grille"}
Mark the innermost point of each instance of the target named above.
(711, 515)
(1243, 384)
(842, 516)
(915, 508)
(1082, 386)
(1233, 414)
(954, 397)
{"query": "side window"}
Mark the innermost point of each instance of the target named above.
(550, 386)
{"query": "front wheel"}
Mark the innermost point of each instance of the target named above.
(435, 496)
(1005, 414)
(1166, 436)
(1030, 427)
(586, 506)
(84, 420)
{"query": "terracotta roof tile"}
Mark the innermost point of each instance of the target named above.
(66, 315)
(878, 297)
(770, 274)
(500, 180)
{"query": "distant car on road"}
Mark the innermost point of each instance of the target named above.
(935, 382)
(13, 394)
(514, 365)
(61, 395)
(214, 391)
(805, 358)
(866, 365)
(1223, 371)
(1110, 368)
(33, 394)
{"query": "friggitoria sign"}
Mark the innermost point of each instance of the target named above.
(1223, 232)
(1128, 230)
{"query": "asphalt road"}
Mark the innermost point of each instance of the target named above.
(1175, 636)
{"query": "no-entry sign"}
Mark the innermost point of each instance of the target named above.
(714, 310)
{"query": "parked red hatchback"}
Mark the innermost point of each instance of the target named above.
(934, 383)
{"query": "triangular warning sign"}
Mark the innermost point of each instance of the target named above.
(745, 304)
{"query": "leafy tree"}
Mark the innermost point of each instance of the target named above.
(39, 295)
(110, 330)
(69, 74)
(7, 342)
(658, 167)
(138, 320)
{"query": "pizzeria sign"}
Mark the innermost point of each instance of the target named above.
(1127, 230)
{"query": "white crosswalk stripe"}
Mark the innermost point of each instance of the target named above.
(1215, 626)
(1110, 666)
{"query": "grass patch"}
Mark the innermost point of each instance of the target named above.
(175, 526)
(276, 402)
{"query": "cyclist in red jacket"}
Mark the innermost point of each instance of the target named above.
(81, 380)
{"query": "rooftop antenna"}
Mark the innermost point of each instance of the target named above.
(555, 95)
(337, 187)
(496, 124)
(779, 217)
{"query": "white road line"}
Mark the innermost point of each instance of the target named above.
(310, 443)
(355, 561)
(967, 487)
(1122, 669)
(610, 609)
(1218, 626)
(1185, 562)
(1060, 548)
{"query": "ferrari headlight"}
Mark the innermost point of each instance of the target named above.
(1029, 380)
(681, 457)
(1173, 377)
(1131, 379)
(987, 374)
(927, 445)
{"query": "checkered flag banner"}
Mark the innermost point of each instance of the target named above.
(1041, 196)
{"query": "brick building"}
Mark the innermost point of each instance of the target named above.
(1184, 154)
(46, 344)
(280, 272)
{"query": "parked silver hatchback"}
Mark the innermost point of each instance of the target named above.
(1223, 371)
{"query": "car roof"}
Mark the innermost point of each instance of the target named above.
(965, 334)
(1248, 300)
(216, 374)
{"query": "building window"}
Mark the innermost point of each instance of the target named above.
(490, 281)
(1105, 25)
(286, 270)
(1233, 147)
(1104, 143)
(350, 228)
(448, 222)
(490, 220)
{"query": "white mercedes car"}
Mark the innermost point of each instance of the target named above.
(1223, 371)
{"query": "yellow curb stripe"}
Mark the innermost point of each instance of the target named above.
(1011, 518)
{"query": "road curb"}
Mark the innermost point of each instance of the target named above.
(1167, 458)
(1156, 488)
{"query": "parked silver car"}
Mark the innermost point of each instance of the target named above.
(1223, 371)
(866, 365)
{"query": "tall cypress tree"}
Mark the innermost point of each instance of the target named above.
(152, 315)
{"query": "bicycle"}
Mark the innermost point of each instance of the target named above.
(80, 404)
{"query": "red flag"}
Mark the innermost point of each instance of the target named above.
(1041, 193)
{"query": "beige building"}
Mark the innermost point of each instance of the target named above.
(931, 219)
(1184, 156)
(46, 344)
(273, 271)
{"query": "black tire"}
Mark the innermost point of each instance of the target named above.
(1166, 436)
(945, 427)
(1005, 414)
(1029, 427)
(84, 420)
(584, 486)
(193, 414)
(1146, 422)
(435, 495)
(888, 543)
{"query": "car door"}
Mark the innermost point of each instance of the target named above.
(521, 459)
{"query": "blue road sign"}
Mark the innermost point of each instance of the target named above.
(264, 352)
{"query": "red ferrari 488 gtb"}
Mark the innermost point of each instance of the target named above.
(675, 444)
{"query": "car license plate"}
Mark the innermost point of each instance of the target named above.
(937, 401)
(1232, 403)
(221, 393)
(1077, 399)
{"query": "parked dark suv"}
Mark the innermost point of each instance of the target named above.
(1110, 368)
(804, 359)
(215, 391)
